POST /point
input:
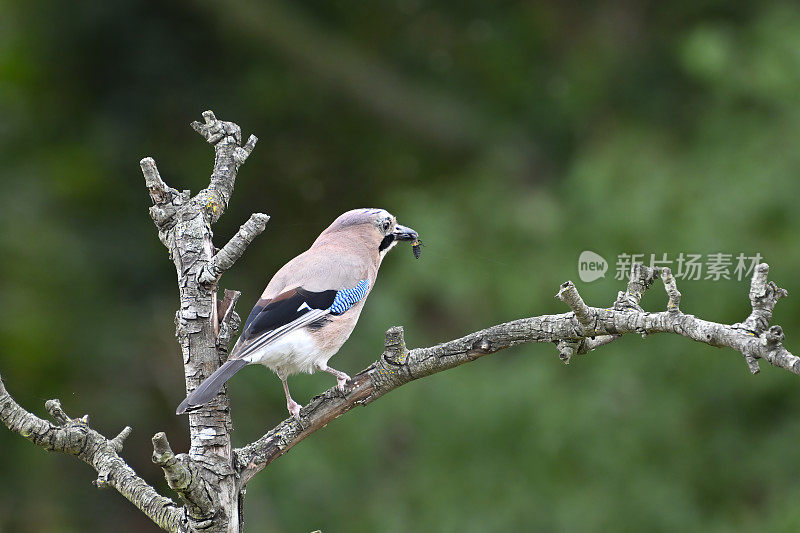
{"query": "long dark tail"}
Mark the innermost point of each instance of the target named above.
(211, 386)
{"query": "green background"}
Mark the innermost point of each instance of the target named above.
(512, 136)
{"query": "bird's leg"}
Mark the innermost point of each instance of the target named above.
(291, 405)
(341, 377)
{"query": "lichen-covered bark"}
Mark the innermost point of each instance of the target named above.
(206, 479)
(75, 437)
(578, 332)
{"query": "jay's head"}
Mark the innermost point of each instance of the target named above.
(377, 228)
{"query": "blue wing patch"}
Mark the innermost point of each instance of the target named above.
(347, 298)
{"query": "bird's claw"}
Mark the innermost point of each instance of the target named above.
(341, 383)
(294, 409)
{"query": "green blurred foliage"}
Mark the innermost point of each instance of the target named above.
(512, 136)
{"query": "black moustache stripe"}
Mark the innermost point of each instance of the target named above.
(389, 239)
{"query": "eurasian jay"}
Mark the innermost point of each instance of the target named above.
(312, 304)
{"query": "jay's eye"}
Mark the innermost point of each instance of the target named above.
(386, 225)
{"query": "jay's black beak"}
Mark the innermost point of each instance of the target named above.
(402, 233)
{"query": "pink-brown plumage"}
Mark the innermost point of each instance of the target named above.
(289, 341)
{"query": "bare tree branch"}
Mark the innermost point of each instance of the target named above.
(580, 331)
(226, 137)
(178, 471)
(672, 290)
(225, 258)
(204, 477)
(75, 437)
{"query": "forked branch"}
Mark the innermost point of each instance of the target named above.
(75, 437)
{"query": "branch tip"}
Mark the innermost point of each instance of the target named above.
(395, 346)
(56, 411)
(102, 481)
(774, 335)
(177, 475)
(234, 249)
(193, 490)
(641, 278)
(117, 441)
(243, 152)
(162, 451)
(569, 295)
(566, 349)
(160, 192)
(152, 177)
(763, 296)
(208, 120)
(260, 219)
(752, 364)
(758, 283)
(214, 130)
(671, 289)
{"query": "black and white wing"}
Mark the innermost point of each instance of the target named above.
(291, 310)
(271, 319)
